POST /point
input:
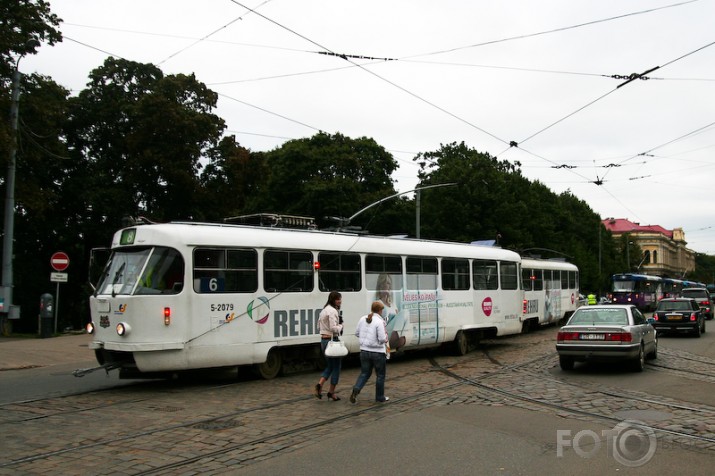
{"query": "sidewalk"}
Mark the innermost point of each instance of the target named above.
(26, 352)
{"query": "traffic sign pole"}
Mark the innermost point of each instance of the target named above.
(57, 305)
(59, 262)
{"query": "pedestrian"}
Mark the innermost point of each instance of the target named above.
(372, 333)
(329, 326)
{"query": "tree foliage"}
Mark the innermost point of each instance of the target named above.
(325, 175)
(21, 21)
(141, 135)
(493, 201)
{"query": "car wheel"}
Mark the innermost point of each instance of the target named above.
(639, 363)
(566, 363)
(702, 331)
(698, 330)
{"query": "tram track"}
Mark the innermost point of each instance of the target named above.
(216, 421)
(454, 368)
(590, 414)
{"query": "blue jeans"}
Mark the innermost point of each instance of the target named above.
(332, 365)
(369, 361)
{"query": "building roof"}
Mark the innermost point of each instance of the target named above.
(622, 225)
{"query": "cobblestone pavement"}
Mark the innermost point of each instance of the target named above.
(219, 426)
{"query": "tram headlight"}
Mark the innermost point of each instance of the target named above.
(89, 328)
(123, 328)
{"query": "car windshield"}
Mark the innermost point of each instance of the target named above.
(599, 316)
(695, 294)
(674, 306)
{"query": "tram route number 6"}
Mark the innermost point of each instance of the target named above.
(212, 285)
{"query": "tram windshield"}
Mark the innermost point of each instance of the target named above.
(624, 286)
(141, 270)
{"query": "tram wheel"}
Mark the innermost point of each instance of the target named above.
(272, 367)
(461, 343)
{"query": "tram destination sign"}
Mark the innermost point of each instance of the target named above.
(60, 261)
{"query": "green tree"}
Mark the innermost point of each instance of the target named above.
(326, 175)
(493, 201)
(232, 176)
(470, 210)
(141, 135)
(24, 20)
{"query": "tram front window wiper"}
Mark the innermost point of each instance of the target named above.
(117, 276)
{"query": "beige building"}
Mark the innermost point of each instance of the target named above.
(664, 251)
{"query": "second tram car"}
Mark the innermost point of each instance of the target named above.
(180, 296)
(551, 291)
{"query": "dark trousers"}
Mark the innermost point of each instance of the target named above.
(369, 361)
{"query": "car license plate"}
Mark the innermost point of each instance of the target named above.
(677, 317)
(592, 336)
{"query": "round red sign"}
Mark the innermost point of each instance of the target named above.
(59, 261)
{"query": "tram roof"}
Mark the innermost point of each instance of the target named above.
(228, 235)
(548, 264)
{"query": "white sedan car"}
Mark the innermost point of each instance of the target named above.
(607, 333)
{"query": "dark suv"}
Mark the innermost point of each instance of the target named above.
(702, 297)
(679, 315)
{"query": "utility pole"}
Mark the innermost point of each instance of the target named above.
(7, 309)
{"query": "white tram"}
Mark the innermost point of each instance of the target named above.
(551, 291)
(180, 296)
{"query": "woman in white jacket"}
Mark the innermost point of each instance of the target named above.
(373, 336)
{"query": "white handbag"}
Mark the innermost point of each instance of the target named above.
(336, 348)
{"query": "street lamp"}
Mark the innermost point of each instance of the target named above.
(6, 306)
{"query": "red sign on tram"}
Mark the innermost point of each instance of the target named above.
(60, 261)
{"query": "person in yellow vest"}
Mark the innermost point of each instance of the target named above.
(591, 299)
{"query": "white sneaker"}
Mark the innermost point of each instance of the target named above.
(387, 399)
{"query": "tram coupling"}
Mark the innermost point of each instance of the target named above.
(107, 367)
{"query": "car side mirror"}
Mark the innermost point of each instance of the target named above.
(651, 320)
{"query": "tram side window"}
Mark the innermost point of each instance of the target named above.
(484, 274)
(538, 280)
(527, 279)
(509, 275)
(533, 279)
(339, 272)
(421, 273)
(455, 274)
(572, 280)
(556, 279)
(547, 280)
(287, 271)
(383, 274)
(564, 279)
(219, 270)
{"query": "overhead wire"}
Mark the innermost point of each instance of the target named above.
(240, 17)
(555, 30)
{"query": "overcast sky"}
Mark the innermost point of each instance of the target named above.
(548, 75)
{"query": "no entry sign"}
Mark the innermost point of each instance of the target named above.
(59, 261)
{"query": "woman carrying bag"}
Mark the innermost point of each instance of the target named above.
(329, 326)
